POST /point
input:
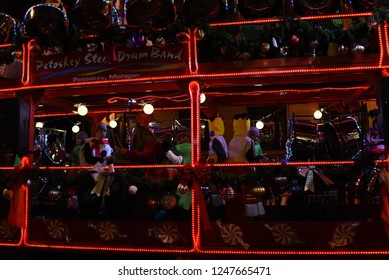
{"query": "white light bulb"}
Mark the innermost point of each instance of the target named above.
(318, 114)
(39, 125)
(148, 109)
(202, 98)
(82, 110)
(113, 124)
(259, 124)
(75, 128)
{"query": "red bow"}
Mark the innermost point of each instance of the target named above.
(18, 179)
(195, 177)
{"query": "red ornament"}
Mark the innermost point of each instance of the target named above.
(182, 189)
(152, 204)
(168, 201)
(294, 40)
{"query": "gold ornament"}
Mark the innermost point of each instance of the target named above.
(168, 201)
(7, 194)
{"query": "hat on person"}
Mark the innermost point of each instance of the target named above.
(216, 126)
(241, 124)
(101, 126)
(81, 136)
(144, 119)
(254, 131)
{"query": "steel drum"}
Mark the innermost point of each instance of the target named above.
(46, 21)
(157, 13)
(343, 138)
(257, 9)
(91, 17)
(315, 7)
(9, 29)
(303, 140)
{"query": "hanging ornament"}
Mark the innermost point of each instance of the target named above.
(182, 37)
(7, 194)
(139, 40)
(358, 50)
(160, 42)
(228, 193)
(232, 235)
(265, 47)
(200, 34)
(168, 201)
(167, 233)
(132, 190)
(182, 189)
(372, 23)
(284, 50)
(294, 39)
(342, 50)
(153, 204)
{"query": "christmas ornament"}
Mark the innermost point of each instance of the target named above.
(6, 230)
(284, 234)
(132, 190)
(167, 233)
(160, 42)
(343, 235)
(232, 235)
(107, 231)
(358, 50)
(168, 201)
(7, 194)
(183, 189)
(153, 204)
(294, 39)
(265, 47)
(182, 37)
(342, 50)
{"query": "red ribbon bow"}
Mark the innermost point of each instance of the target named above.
(195, 177)
(18, 179)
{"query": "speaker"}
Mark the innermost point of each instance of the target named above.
(14, 120)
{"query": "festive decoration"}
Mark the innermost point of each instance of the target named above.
(56, 229)
(258, 191)
(7, 194)
(343, 235)
(284, 234)
(132, 190)
(342, 50)
(358, 49)
(183, 189)
(195, 177)
(107, 231)
(55, 193)
(167, 233)
(232, 235)
(6, 230)
(168, 201)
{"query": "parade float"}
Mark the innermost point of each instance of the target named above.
(322, 188)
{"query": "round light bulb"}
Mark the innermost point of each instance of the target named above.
(75, 128)
(148, 109)
(82, 110)
(202, 98)
(259, 124)
(39, 125)
(318, 114)
(113, 124)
